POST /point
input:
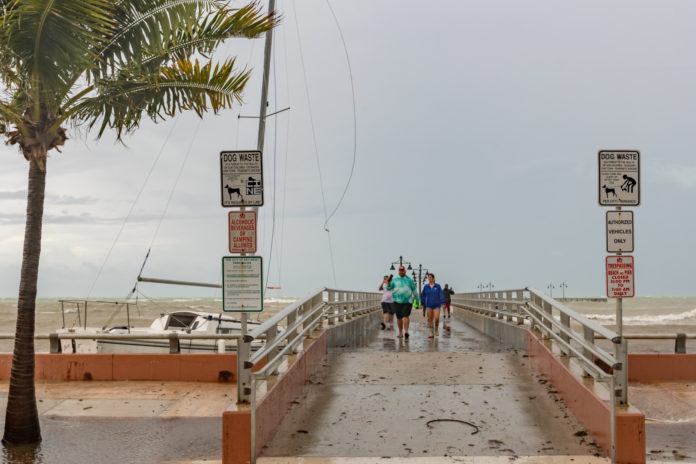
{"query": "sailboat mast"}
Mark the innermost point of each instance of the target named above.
(266, 78)
(262, 119)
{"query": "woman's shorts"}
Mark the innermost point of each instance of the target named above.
(387, 308)
(402, 309)
(433, 309)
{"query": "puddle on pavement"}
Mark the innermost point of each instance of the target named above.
(141, 441)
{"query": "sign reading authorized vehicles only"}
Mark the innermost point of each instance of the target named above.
(619, 231)
(241, 178)
(619, 178)
(620, 276)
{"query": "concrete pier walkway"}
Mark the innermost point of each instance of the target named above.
(379, 400)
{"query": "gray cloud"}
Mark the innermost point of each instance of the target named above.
(53, 199)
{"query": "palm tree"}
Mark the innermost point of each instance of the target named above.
(101, 64)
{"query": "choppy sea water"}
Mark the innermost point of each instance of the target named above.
(644, 315)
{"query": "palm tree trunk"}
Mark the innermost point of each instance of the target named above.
(22, 418)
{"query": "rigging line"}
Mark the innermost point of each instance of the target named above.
(125, 220)
(176, 182)
(355, 125)
(314, 139)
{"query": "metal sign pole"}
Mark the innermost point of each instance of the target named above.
(619, 304)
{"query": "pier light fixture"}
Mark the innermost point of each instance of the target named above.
(563, 286)
(400, 262)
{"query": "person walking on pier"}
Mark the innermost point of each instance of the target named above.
(387, 304)
(432, 298)
(446, 311)
(405, 293)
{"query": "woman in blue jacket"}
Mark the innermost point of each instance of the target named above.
(432, 299)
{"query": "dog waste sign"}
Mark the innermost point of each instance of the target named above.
(241, 178)
(620, 273)
(619, 178)
(619, 231)
(242, 289)
(242, 227)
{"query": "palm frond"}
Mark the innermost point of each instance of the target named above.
(248, 22)
(147, 25)
(121, 103)
(49, 40)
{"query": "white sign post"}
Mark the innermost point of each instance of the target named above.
(619, 178)
(241, 178)
(620, 276)
(619, 231)
(242, 227)
(242, 287)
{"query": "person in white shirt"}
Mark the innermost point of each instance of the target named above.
(387, 304)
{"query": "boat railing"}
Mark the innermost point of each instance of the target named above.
(81, 307)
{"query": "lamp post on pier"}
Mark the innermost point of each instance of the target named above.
(563, 287)
(480, 287)
(400, 262)
(421, 272)
(550, 287)
(490, 286)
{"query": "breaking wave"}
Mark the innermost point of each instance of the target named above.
(687, 317)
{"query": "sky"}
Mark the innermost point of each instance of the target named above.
(478, 129)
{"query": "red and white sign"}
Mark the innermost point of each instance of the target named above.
(242, 227)
(620, 273)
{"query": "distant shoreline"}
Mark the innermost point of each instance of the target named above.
(590, 299)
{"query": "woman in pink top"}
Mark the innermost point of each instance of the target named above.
(387, 306)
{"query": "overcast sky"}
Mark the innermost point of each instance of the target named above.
(478, 126)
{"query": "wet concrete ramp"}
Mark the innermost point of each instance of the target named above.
(460, 394)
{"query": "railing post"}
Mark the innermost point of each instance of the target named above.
(565, 320)
(547, 319)
(508, 306)
(271, 335)
(332, 308)
(590, 339)
(244, 369)
(174, 347)
(621, 371)
(342, 307)
(54, 343)
(519, 297)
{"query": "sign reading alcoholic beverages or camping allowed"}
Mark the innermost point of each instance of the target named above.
(620, 276)
(619, 231)
(242, 289)
(242, 227)
(619, 178)
(241, 178)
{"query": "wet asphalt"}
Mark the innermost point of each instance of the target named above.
(458, 394)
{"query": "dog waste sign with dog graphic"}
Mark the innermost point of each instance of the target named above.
(620, 273)
(619, 178)
(242, 289)
(241, 178)
(242, 226)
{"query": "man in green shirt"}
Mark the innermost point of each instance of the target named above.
(404, 291)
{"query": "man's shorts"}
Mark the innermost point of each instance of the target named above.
(402, 309)
(387, 308)
(446, 305)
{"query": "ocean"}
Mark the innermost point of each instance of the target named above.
(644, 315)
